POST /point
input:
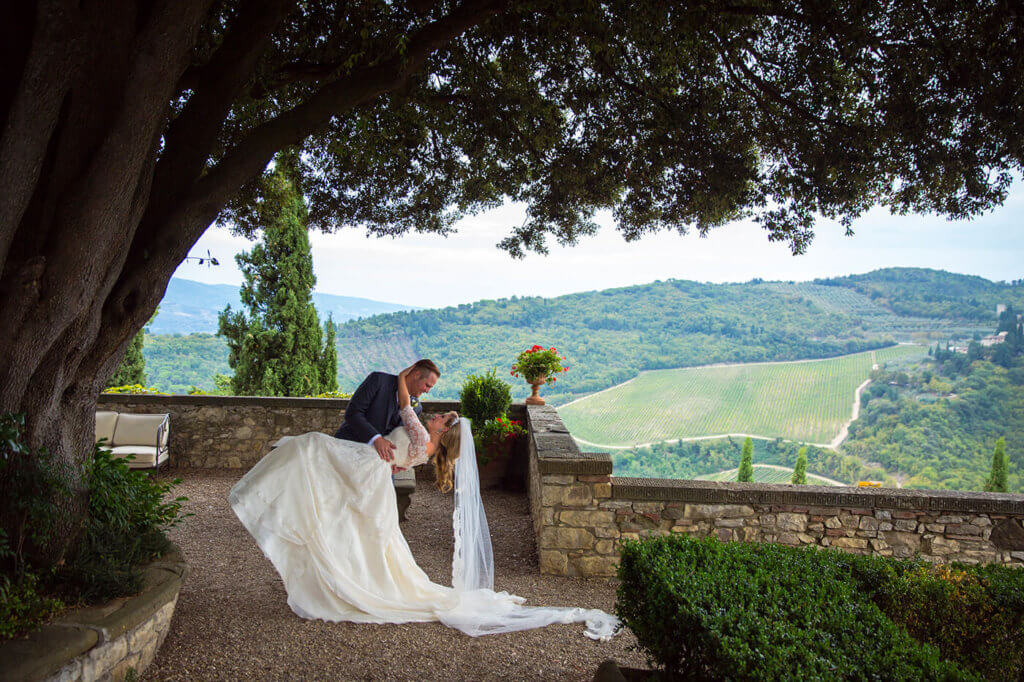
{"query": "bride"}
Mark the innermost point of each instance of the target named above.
(323, 511)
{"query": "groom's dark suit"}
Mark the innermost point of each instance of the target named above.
(373, 409)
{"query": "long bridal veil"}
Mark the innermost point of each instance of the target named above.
(481, 610)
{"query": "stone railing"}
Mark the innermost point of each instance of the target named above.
(581, 513)
(112, 641)
(236, 431)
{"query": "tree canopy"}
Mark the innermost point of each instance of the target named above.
(127, 128)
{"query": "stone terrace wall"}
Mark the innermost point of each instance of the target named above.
(236, 431)
(581, 513)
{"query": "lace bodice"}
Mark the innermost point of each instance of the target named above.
(410, 440)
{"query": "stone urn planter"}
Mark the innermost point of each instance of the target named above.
(535, 398)
(109, 641)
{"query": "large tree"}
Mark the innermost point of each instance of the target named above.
(276, 344)
(127, 127)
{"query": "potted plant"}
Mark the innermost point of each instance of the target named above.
(485, 401)
(495, 442)
(538, 366)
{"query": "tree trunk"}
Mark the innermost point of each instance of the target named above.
(105, 189)
(77, 153)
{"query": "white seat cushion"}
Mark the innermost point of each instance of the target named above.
(105, 423)
(144, 456)
(137, 429)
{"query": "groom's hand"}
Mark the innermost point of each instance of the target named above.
(384, 448)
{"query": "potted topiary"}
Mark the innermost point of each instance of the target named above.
(485, 401)
(539, 366)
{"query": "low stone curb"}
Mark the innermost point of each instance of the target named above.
(103, 641)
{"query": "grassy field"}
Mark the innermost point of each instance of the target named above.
(767, 474)
(804, 401)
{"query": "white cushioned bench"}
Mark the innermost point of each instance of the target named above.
(142, 435)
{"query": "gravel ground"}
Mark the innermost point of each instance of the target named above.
(232, 621)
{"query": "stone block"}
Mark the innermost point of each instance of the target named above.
(868, 523)
(577, 495)
(885, 525)
(716, 511)
(748, 534)
(807, 539)
(724, 534)
(636, 522)
(878, 544)
(788, 539)
(934, 528)
(673, 513)
(767, 519)
(602, 490)
(586, 519)
(604, 546)
(566, 538)
(615, 504)
(883, 515)
(833, 522)
(850, 543)
(940, 546)
(558, 479)
(729, 523)
(595, 566)
(791, 522)
(553, 562)
(606, 532)
(648, 507)
(906, 525)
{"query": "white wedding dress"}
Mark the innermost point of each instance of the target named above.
(323, 511)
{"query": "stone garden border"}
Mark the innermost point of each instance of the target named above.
(105, 641)
(581, 513)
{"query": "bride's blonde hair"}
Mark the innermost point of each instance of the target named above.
(448, 447)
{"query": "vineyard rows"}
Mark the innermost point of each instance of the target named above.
(802, 401)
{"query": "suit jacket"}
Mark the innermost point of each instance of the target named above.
(373, 409)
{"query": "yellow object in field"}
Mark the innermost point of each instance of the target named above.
(870, 484)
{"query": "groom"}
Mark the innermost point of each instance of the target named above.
(373, 408)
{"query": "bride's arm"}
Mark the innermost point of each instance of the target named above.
(403, 391)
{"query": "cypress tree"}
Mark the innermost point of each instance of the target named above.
(800, 470)
(328, 364)
(746, 471)
(997, 479)
(133, 366)
(278, 349)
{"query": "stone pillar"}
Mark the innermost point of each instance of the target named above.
(568, 490)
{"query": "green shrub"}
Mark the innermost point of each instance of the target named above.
(128, 515)
(702, 609)
(22, 607)
(484, 397)
(973, 615)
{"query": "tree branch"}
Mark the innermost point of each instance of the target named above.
(191, 136)
(251, 155)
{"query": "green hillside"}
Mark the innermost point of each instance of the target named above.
(608, 336)
(935, 294)
(806, 401)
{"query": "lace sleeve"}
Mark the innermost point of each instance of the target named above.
(418, 436)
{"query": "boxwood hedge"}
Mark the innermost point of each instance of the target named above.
(702, 609)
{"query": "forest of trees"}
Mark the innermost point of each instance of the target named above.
(936, 426)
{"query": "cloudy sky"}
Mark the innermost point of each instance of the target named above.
(431, 271)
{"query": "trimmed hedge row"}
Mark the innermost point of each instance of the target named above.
(702, 609)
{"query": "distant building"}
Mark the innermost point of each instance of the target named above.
(993, 339)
